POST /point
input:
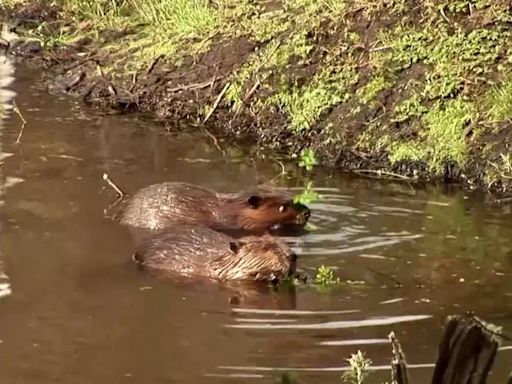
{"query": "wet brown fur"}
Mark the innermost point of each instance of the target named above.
(254, 211)
(202, 252)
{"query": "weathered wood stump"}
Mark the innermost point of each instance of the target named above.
(398, 364)
(466, 352)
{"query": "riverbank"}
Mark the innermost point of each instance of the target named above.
(387, 88)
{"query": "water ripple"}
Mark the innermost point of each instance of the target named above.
(317, 369)
(342, 324)
(354, 342)
(291, 312)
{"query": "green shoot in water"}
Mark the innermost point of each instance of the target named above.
(325, 277)
(307, 159)
(308, 195)
(359, 365)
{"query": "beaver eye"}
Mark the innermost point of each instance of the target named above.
(282, 208)
(233, 246)
(254, 201)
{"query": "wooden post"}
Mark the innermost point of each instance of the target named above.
(466, 352)
(398, 364)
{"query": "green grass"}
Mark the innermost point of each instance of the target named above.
(164, 27)
(499, 102)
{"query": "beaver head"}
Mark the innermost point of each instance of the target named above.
(261, 211)
(255, 258)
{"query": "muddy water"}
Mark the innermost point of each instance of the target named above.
(80, 312)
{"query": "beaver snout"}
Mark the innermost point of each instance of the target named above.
(292, 257)
(303, 215)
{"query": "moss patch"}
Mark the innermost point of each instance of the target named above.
(443, 139)
(304, 105)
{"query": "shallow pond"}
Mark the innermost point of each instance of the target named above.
(76, 310)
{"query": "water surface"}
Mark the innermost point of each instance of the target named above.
(80, 312)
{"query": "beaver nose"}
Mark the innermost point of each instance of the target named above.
(292, 257)
(306, 214)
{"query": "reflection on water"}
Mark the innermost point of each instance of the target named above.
(81, 312)
(6, 98)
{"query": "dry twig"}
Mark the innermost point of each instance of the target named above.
(23, 121)
(217, 102)
(113, 186)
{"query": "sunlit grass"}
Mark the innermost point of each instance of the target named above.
(189, 18)
(162, 25)
(499, 102)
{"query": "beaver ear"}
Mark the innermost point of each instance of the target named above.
(233, 245)
(254, 201)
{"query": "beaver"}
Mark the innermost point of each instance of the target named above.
(194, 250)
(248, 212)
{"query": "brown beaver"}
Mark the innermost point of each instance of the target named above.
(203, 252)
(254, 211)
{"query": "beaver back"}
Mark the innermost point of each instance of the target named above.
(254, 211)
(201, 251)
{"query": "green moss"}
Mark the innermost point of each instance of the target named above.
(452, 58)
(438, 46)
(304, 105)
(442, 84)
(274, 56)
(372, 89)
(442, 140)
(497, 11)
(409, 108)
(499, 102)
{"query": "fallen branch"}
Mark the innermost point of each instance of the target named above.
(252, 91)
(113, 186)
(134, 81)
(75, 81)
(217, 102)
(153, 64)
(247, 96)
(193, 86)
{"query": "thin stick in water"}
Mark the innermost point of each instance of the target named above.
(23, 121)
(112, 185)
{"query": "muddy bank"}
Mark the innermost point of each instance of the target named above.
(386, 89)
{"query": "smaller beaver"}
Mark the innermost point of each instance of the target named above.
(202, 252)
(253, 212)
